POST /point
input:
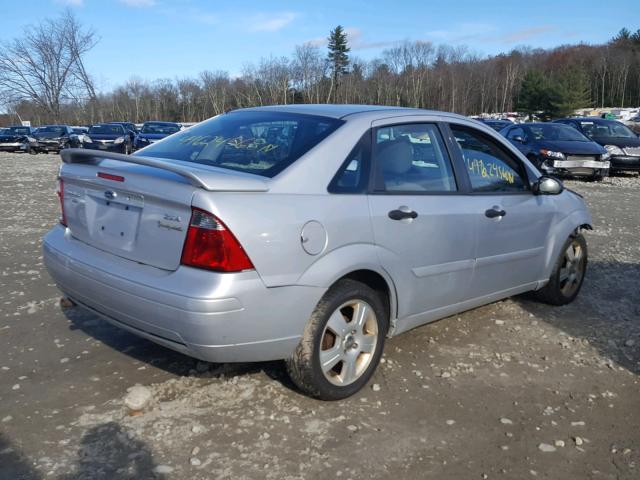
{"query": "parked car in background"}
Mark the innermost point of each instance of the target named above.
(108, 136)
(131, 129)
(634, 124)
(80, 130)
(18, 139)
(128, 126)
(497, 125)
(53, 138)
(151, 132)
(311, 233)
(559, 149)
(622, 144)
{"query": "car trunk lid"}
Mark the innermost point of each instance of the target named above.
(137, 207)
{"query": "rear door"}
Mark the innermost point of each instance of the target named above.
(422, 223)
(512, 224)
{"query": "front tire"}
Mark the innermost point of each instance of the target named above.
(568, 273)
(342, 343)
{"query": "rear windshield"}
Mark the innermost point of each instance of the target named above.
(161, 128)
(262, 143)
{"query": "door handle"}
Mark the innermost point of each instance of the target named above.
(495, 212)
(402, 214)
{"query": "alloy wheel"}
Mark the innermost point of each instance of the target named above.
(572, 269)
(348, 342)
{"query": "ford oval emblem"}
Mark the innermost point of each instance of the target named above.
(110, 195)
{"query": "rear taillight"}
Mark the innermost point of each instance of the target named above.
(60, 192)
(211, 245)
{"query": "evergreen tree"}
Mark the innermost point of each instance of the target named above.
(568, 93)
(535, 94)
(338, 56)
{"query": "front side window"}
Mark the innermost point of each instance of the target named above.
(412, 158)
(262, 143)
(490, 167)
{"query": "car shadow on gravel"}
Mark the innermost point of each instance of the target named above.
(172, 362)
(13, 463)
(606, 312)
(106, 452)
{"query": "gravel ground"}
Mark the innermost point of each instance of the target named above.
(511, 390)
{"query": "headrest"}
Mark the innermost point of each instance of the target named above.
(395, 157)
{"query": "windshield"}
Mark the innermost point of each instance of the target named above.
(555, 132)
(263, 143)
(159, 128)
(18, 130)
(606, 129)
(106, 130)
(55, 130)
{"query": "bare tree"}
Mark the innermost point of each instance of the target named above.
(45, 66)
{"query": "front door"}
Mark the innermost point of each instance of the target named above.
(512, 223)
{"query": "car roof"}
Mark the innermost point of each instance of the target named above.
(339, 111)
(161, 123)
(544, 124)
(588, 119)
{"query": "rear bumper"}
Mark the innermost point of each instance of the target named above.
(211, 316)
(625, 162)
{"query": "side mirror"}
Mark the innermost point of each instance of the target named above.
(519, 139)
(547, 186)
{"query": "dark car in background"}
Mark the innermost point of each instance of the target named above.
(80, 130)
(497, 125)
(559, 149)
(131, 129)
(622, 144)
(109, 137)
(18, 139)
(53, 138)
(634, 124)
(151, 132)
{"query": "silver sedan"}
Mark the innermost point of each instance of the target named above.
(311, 233)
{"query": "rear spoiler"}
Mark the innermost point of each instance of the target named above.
(208, 178)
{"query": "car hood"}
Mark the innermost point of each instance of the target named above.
(95, 136)
(152, 136)
(11, 138)
(618, 141)
(47, 136)
(572, 148)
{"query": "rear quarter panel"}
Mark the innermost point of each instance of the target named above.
(269, 227)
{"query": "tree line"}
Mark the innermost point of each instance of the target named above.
(550, 82)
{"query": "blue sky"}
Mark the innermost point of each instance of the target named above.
(154, 39)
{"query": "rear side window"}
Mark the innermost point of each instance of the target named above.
(490, 167)
(262, 143)
(353, 176)
(412, 158)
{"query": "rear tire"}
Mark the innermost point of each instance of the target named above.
(568, 273)
(342, 343)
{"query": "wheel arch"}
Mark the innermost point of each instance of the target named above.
(570, 225)
(358, 262)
